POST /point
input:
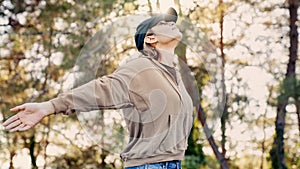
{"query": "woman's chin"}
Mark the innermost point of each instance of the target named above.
(179, 37)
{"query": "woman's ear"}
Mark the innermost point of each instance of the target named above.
(150, 39)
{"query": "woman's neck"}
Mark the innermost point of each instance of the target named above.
(166, 51)
(167, 57)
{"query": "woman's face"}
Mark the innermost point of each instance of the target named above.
(165, 32)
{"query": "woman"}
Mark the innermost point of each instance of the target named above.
(156, 107)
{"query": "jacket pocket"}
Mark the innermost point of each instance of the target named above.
(174, 140)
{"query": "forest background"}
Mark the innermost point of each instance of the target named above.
(246, 49)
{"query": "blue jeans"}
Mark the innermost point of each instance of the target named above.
(159, 165)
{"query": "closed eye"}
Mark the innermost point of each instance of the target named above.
(150, 34)
(163, 23)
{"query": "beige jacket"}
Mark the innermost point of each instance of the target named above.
(157, 109)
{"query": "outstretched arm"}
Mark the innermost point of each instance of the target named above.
(28, 115)
(107, 92)
(104, 93)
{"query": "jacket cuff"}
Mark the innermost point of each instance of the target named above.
(59, 105)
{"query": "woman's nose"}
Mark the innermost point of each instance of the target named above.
(172, 23)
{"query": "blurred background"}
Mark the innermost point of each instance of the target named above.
(252, 45)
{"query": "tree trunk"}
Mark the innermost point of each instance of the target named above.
(298, 111)
(291, 69)
(12, 152)
(158, 4)
(177, 3)
(219, 156)
(31, 152)
(46, 141)
(103, 151)
(150, 6)
(278, 160)
(224, 116)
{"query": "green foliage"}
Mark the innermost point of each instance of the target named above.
(289, 88)
(192, 162)
(194, 154)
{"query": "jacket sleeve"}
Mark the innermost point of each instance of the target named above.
(107, 92)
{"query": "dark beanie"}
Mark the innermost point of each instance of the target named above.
(141, 30)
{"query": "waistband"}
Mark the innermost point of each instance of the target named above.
(176, 164)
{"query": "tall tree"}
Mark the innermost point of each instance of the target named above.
(288, 88)
(200, 74)
(224, 116)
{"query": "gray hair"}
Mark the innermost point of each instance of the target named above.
(150, 51)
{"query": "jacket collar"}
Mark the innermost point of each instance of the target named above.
(169, 78)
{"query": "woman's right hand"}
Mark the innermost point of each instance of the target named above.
(28, 115)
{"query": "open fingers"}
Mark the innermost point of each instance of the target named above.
(13, 124)
(18, 108)
(24, 127)
(18, 128)
(11, 120)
